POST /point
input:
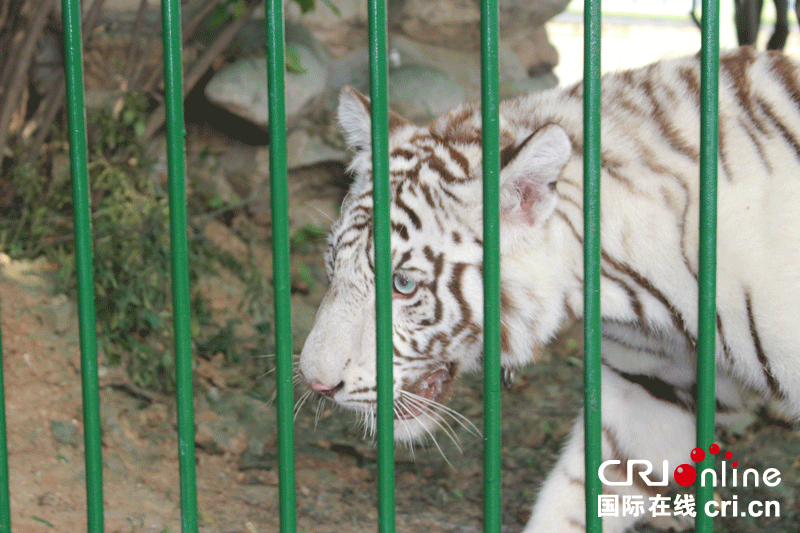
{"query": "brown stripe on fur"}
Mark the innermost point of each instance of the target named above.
(428, 196)
(455, 288)
(572, 480)
(396, 122)
(726, 349)
(507, 305)
(410, 213)
(690, 78)
(505, 341)
(786, 133)
(787, 74)
(400, 229)
(459, 159)
(638, 482)
(625, 344)
(679, 322)
(633, 298)
(576, 91)
(757, 143)
(566, 219)
(612, 171)
(656, 388)
(723, 151)
(736, 67)
(436, 164)
(508, 153)
(668, 130)
(577, 525)
(772, 383)
(402, 152)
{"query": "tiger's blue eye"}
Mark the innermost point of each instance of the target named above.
(404, 285)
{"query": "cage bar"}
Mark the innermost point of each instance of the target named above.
(179, 252)
(592, 161)
(81, 207)
(707, 272)
(378, 73)
(5, 502)
(279, 199)
(490, 117)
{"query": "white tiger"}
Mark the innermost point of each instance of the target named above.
(650, 132)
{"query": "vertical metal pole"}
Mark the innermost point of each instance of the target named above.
(490, 111)
(592, 161)
(5, 506)
(383, 264)
(280, 249)
(707, 310)
(179, 250)
(81, 205)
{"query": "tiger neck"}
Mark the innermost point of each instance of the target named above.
(536, 302)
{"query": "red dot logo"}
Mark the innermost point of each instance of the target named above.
(698, 455)
(685, 475)
(728, 455)
(714, 449)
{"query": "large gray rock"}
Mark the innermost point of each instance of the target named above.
(455, 24)
(241, 87)
(426, 80)
(420, 93)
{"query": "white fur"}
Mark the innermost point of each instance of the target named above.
(649, 232)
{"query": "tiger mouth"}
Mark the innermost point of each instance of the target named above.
(429, 390)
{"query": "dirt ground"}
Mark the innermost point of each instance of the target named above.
(437, 491)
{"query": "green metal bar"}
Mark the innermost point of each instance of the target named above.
(5, 505)
(282, 279)
(179, 250)
(592, 161)
(383, 263)
(706, 279)
(81, 206)
(490, 116)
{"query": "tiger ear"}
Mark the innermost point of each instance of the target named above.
(355, 121)
(529, 174)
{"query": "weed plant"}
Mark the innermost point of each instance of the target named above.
(130, 225)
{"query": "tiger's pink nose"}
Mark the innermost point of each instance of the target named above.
(325, 390)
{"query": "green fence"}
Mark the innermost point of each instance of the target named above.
(278, 170)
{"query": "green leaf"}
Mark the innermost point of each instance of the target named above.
(293, 62)
(306, 5)
(333, 7)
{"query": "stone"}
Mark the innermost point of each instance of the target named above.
(233, 423)
(303, 149)
(61, 316)
(341, 30)
(426, 80)
(241, 87)
(420, 92)
(535, 52)
(66, 432)
(464, 67)
(455, 24)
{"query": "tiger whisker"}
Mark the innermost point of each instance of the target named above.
(437, 419)
(320, 409)
(457, 417)
(438, 447)
(321, 212)
(301, 401)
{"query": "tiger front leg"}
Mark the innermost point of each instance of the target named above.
(636, 425)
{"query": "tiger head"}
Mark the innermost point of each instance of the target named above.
(436, 254)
